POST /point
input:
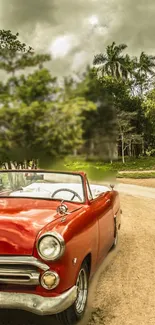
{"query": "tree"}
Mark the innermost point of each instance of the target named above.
(10, 42)
(37, 131)
(38, 86)
(99, 125)
(127, 79)
(149, 103)
(93, 113)
(146, 64)
(149, 110)
(128, 67)
(144, 71)
(125, 130)
(68, 88)
(11, 47)
(112, 62)
(15, 55)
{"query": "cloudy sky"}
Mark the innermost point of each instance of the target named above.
(74, 30)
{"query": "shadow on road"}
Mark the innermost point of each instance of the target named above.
(93, 286)
(17, 317)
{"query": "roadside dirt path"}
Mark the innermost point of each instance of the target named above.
(149, 182)
(136, 171)
(136, 191)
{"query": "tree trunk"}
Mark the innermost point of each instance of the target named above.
(122, 141)
(143, 147)
(92, 146)
(75, 152)
(115, 151)
(9, 165)
(130, 149)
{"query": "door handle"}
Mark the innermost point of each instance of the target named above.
(107, 201)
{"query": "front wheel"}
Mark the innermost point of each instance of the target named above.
(76, 312)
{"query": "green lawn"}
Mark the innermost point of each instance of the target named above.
(130, 164)
(137, 175)
(136, 164)
(99, 170)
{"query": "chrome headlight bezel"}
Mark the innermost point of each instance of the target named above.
(60, 240)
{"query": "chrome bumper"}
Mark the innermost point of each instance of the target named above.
(37, 304)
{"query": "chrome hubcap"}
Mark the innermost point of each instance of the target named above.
(82, 287)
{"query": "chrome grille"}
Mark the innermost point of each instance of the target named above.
(20, 270)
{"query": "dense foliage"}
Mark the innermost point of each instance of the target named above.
(109, 112)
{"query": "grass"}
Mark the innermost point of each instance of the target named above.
(146, 163)
(137, 175)
(136, 164)
(99, 170)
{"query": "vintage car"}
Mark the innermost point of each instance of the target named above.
(55, 230)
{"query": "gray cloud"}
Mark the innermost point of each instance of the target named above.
(39, 22)
(20, 13)
(136, 26)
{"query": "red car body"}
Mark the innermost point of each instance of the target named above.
(89, 233)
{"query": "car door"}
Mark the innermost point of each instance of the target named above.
(105, 217)
(103, 212)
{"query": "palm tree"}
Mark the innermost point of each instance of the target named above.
(112, 62)
(144, 70)
(128, 67)
(146, 64)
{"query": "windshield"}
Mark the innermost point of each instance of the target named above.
(47, 185)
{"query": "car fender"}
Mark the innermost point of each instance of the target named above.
(80, 232)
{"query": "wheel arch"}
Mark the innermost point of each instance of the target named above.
(88, 260)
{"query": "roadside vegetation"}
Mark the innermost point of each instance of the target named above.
(133, 168)
(136, 175)
(106, 114)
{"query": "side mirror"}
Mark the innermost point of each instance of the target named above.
(112, 186)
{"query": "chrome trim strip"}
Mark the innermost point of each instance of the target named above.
(23, 260)
(37, 304)
(20, 276)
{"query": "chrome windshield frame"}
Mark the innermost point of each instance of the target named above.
(38, 171)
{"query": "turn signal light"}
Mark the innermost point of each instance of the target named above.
(50, 280)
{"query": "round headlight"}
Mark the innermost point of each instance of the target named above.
(51, 246)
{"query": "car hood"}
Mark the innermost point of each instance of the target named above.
(21, 220)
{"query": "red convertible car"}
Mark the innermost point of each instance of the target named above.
(55, 230)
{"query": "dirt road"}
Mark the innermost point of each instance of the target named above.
(125, 283)
(136, 190)
(126, 289)
(148, 182)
